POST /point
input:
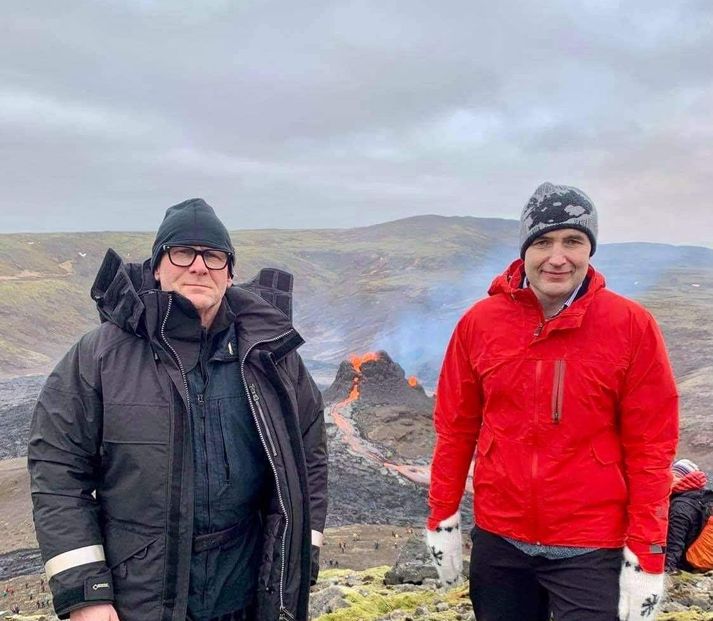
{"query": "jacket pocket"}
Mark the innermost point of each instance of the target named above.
(606, 449)
(609, 481)
(136, 563)
(558, 390)
(135, 424)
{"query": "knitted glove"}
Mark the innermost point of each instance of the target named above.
(640, 593)
(446, 548)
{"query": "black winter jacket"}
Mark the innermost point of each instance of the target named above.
(111, 466)
(686, 518)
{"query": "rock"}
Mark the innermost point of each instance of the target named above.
(413, 564)
(327, 600)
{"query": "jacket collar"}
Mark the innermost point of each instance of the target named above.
(128, 296)
(510, 284)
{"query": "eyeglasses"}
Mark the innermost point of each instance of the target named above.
(184, 256)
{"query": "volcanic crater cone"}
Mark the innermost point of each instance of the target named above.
(390, 410)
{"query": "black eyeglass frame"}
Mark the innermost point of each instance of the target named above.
(228, 256)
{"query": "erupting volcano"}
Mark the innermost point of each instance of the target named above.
(374, 379)
(382, 415)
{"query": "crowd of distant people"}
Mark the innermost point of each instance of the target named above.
(38, 601)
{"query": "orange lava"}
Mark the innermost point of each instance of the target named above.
(357, 361)
(412, 381)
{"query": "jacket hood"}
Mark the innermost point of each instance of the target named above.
(127, 295)
(117, 292)
(510, 281)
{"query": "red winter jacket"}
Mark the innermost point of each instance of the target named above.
(575, 421)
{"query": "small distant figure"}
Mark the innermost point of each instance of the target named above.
(15, 609)
(355, 537)
(689, 543)
(376, 545)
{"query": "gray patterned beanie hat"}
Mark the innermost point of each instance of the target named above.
(554, 207)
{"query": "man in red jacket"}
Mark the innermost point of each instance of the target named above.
(564, 392)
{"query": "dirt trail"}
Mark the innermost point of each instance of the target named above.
(15, 506)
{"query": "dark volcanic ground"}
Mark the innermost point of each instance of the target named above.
(17, 399)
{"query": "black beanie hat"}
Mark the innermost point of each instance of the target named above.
(554, 207)
(192, 223)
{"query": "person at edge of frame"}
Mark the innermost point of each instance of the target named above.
(177, 452)
(564, 392)
(688, 514)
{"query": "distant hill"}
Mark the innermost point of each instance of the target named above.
(398, 286)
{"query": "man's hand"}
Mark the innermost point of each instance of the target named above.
(95, 612)
(446, 548)
(640, 593)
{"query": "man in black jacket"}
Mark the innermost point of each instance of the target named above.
(177, 452)
(686, 515)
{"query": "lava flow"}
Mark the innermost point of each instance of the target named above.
(358, 444)
(356, 362)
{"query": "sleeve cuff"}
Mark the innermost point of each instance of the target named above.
(652, 557)
(95, 590)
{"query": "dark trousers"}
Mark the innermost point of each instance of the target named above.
(509, 585)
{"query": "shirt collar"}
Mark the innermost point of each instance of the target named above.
(567, 302)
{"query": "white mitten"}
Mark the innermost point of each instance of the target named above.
(446, 548)
(640, 593)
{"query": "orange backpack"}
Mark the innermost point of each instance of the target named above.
(700, 553)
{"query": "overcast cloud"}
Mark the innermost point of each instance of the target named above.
(327, 113)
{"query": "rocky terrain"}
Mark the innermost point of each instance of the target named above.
(17, 398)
(409, 591)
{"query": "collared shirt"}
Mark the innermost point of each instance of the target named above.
(568, 302)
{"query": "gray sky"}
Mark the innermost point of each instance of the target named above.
(329, 113)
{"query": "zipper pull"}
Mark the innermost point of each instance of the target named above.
(253, 391)
(556, 417)
(538, 329)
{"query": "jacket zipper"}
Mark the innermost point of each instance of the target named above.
(175, 354)
(256, 399)
(558, 391)
(254, 403)
(181, 368)
(535, 453)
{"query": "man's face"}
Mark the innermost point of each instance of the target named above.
(556, 263)
(203, 287)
